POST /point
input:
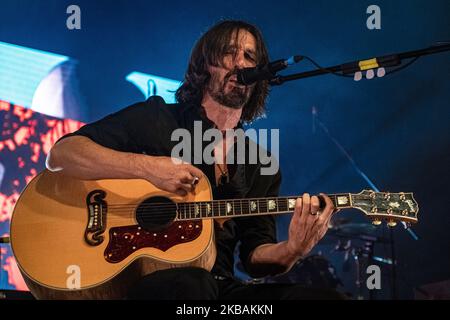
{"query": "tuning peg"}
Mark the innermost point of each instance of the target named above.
(357, 76)
(391, 223)
(376, 222)
(381, 72)
(370, 74)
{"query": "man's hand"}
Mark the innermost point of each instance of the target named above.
(308, 224)
(168, 176)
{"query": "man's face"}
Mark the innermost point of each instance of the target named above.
(223, 86)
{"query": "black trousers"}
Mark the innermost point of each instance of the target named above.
(199, 284)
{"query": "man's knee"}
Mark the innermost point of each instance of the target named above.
(198, 282)
(179, 283)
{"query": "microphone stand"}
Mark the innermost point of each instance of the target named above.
(368, 64)
(375, 188)
(347, 69)
(352, 67)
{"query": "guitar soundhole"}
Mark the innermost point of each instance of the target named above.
(156, 213)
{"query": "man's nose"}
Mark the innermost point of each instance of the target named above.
(240, 61)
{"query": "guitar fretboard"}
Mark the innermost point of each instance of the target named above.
(248, 207)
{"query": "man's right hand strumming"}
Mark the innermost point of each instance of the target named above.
(176, 178)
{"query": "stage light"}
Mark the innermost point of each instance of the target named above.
(22, 70)
(151, 85)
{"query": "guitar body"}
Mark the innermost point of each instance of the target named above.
(78, 239)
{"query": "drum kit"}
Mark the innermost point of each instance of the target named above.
(354, 242)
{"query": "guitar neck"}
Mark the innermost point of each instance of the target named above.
(249, 207)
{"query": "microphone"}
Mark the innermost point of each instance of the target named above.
(247, 76)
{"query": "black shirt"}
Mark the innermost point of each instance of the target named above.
(147, 127)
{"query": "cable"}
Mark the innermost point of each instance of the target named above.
(325, 69)
(389, 72)
(351, 76)
(403, 66)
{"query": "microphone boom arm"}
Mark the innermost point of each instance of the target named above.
(355, 66)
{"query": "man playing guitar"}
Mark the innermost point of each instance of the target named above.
(135, 143)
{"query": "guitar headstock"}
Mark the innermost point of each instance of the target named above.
(392, 207)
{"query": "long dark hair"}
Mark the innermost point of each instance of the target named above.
(209, 51)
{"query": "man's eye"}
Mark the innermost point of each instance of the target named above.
(250, 57)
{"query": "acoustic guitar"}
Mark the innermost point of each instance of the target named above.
(91, 239)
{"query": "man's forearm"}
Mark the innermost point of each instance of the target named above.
(270, 259)
(82, 158)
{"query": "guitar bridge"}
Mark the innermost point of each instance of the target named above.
(97, 209)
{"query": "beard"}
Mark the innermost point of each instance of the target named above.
(234, 98)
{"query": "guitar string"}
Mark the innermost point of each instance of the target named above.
(212, 202)
(190, 215)
(191, 206)
(185, 213)
(177, 218)
(220, 213)
(186, 217)
(332, 196)
(184, 205)
(186, 208)
(124, 205)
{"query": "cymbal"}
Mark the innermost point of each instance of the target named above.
(363, 231)
(355, 229)
(348, 231)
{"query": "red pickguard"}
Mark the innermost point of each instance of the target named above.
(123, 241)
